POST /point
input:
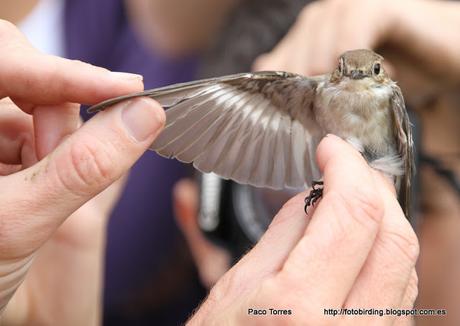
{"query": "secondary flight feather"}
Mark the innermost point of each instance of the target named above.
(263, 128)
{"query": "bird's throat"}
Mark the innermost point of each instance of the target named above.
(355, 109)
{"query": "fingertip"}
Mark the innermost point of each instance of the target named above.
(185, 190)
(120, 83)
(159, 112)
(329, 148)
(185, 194)
(101, 83)
(81, 82)
(347, 173)
(127, 76)
(342, 156)
(142, 118)
(260, 62)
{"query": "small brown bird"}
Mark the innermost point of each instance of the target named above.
(262, 128)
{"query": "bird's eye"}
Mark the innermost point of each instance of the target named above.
(377, 68)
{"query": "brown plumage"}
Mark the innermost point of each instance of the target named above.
(262, 128)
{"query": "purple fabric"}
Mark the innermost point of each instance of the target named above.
(142, 231)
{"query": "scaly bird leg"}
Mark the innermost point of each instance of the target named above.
(315, 194)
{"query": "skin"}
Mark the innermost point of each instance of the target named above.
(426, 64)
(356, 243)
(416, 55)
(51, 167)
(75, 167)
(364, 118)
(419, 40)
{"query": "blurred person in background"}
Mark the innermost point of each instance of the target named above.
(295, 43)
(149, 275)
(420, 43)
(55, 171)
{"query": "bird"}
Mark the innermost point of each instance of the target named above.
(262, 128)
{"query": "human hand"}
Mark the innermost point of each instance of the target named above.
(211, 260)
(356, 250)
(418, 39)
(51, 166)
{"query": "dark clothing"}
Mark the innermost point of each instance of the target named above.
(149, 275)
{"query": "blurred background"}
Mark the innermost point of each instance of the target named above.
(163, 250)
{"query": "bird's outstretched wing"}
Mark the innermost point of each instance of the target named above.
(405, 147)
(254, 128)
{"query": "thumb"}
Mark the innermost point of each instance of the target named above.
(88, 161)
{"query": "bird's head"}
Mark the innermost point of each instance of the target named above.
(360, 65)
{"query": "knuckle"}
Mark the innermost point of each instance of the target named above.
(367, 204)
(364, 206)
(50, 68)
(57, 69)
(87, 167)
(219, 290)
(92, 163)
(230, 284)
(406, 244)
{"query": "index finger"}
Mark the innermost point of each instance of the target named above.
(28, 76)
(342, 231)
(396, 248)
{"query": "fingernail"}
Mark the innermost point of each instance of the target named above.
(126, 75)
(142, 119)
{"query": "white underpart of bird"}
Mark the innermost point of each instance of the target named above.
(346, 110)
(263, 128)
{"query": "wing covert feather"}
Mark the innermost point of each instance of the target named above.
(253, 128)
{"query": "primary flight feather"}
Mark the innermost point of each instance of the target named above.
(262, 128)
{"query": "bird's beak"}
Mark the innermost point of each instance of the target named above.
(357, 74)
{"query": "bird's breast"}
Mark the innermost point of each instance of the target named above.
(361, 113)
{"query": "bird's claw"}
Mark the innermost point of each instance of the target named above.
(315, 194)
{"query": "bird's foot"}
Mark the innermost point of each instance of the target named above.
(315, 194)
